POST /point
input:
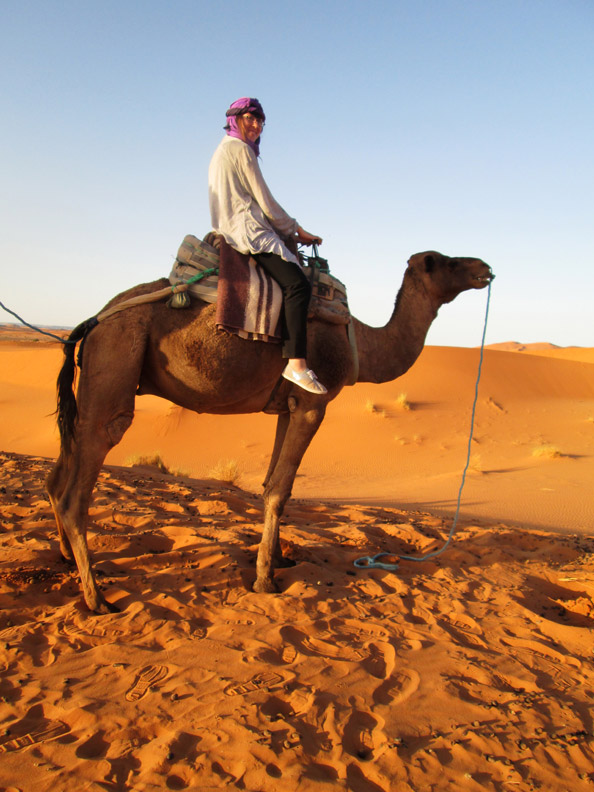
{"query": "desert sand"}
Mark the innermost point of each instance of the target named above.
(470, 671)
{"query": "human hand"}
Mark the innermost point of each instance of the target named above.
(306, 238)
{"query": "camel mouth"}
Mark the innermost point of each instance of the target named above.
(484, 280)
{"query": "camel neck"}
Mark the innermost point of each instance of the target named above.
(385, 353)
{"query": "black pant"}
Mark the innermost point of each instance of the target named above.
(296, 293)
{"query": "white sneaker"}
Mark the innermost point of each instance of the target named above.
(305, 379)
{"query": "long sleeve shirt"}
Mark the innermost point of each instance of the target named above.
(242, 208)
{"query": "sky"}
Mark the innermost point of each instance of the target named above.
(463, 126)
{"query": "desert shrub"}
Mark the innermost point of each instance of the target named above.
(547, 452)
(475, 464)
(226, 470)
(371, 407)
(148, 460)
(154, 460)
(402, 402)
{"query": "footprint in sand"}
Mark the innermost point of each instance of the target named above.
(464, 630)
(381, 660)
(264, 680)
(147, 677)
(359, 734)
(397, 688)
(289, 654)
(48, 731)
(332, 648)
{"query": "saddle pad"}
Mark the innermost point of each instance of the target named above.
(329, 296)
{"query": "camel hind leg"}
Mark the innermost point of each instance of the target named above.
(55, 485)
(105, 410)
(72, 510)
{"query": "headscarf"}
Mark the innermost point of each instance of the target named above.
(239, 107)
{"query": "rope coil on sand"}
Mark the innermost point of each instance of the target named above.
(371, 562)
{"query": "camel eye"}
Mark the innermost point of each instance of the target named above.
(429, 263)
(453, 263)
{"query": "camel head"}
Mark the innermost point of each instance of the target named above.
(445, 278)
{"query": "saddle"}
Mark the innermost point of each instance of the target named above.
(197, 258)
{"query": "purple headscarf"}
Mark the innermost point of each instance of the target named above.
(239, 107)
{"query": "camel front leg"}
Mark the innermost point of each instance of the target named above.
(282, 424)
(303, 424)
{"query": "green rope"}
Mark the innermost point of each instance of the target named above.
(195, 278)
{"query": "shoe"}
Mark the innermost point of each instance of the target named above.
(305, 379)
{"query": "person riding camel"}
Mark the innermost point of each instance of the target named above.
(252, 222)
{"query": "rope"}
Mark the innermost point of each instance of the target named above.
(371, 562)
(37, 329)
(130, 303)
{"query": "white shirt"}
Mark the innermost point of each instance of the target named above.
(242, 208)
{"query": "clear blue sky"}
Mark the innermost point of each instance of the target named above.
(465, 126)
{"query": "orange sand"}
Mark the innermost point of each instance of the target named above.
(473, 671)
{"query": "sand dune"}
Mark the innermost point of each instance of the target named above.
(470, 671)
(369, 449)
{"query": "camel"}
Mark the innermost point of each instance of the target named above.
(180, 356)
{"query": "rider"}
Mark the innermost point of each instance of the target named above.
(245, 213)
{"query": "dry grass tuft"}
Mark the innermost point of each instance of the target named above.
(547, 452)
(371, 407)
(148, 460)
(475, 464)
(402, 402)
(154, 460)
(226, 470)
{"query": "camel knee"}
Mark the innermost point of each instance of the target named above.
(56, 480)
(117, 428)
(274, 502)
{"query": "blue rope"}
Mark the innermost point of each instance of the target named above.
(371, 562)
(37, 329)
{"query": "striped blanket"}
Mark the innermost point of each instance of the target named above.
(249, 301)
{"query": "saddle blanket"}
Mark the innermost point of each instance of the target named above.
(249, 302)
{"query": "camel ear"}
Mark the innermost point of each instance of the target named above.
(417, 259)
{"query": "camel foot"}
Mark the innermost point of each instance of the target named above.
(67, 558)
(265, 586)
(284, 563)
(103, 607)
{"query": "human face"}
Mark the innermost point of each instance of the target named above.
(250, 126)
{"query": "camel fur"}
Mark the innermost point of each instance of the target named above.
(180, 356)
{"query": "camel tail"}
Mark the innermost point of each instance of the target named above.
(67, 410)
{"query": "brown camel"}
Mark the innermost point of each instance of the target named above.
(180, 356)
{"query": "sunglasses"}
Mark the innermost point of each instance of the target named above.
(252, 119)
